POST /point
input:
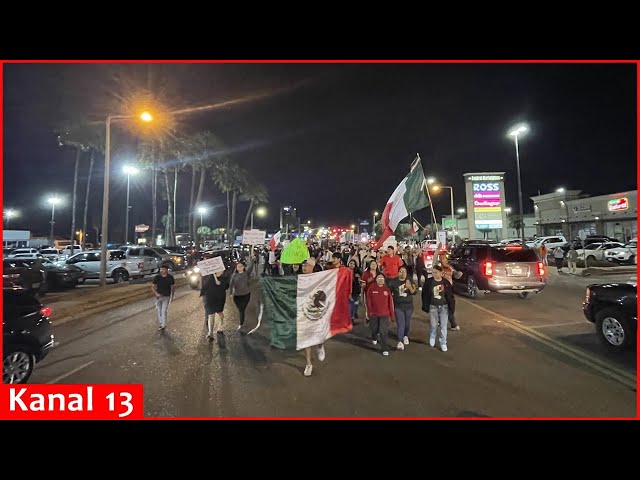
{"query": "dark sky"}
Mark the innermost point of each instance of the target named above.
(333, 140)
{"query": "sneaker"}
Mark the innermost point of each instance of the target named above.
(405, 340)
(385, 353)
(375, 342)
(432, 342)
(307, 370)
(161, 328)
(400, 346)
(443, 348)
(210, 337)
(321, 353)
(457, 327)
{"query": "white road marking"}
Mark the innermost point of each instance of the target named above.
(557, 324)
(595, 363)
(68, 374)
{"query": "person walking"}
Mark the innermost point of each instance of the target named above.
(380, 310)
(163, 288)
(558, 255)
(403, 289)
(449, 273)
(214, 291)
(572, 259)
(239, 287)
(354, 300)
(437, 300)
(390, 263)
(307, 268)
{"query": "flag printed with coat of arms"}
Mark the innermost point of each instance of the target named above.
(307, 309)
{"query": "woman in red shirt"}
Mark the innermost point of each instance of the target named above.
(379, 311)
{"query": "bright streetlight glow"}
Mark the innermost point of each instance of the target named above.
(202, 210)
(435, 188)
(508, 209)
(261, 211)
(146, 117)
(53, 200)
(129, 170)
(461, 210)
(518, 130)
(10, 213)
(375, 214)
(560, 190)
(353, 226)
(308, 222)
(431, 180)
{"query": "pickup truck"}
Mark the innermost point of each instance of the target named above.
(119, 267)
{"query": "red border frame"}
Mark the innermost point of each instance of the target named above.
(636, 62)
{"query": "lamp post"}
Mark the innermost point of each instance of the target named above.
(519, 130)
(202, 211)
(53, 201)
(260, 211)
(129, 170)
(453, 217)
(145, 117)
(9, 214)
(373, 225)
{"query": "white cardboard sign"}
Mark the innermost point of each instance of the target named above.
(390, 241)
(253, 237)
(211, 266)
(442, 239)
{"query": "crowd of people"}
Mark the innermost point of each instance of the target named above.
(385, 282)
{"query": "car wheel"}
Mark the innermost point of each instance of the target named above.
(591, 258)
(472, 289)
(17, 365)
(120, 277)
(523, 295)
(614, 328)
(632, 259)
(81, 280)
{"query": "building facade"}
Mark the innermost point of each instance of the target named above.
(572, 214)
(462, 229)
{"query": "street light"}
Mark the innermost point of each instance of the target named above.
(128, 170)
(9, 214)
(53, 201)
(145, 117)
(431, 180)
(261, 212)
(453, 217)
(514, 132)
(202, 211)
(373, 230)
(461, 211)
(507, 210)
(560, 190)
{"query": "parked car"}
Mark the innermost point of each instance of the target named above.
(150, 258)
(60, 274)
(18, 251)
(175, 261)
(595, 251)
(26, 334)
(612, 308)
(628, 253)
(550, 242)
(19, 273)
(50, 253)
(486, 268)
(119, 268)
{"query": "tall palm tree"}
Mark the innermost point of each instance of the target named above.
(222, 175)
(239, 179)
(256, 193)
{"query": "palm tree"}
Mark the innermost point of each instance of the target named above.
(222, 175)
(239, 179)
(256, 193)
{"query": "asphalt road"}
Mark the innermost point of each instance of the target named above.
(512, 358)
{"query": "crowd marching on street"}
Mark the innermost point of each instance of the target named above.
(384, 284)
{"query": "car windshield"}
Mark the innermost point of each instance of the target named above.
(593, 246)
(513, 255)
(632, 245)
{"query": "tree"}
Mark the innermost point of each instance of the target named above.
(256, 193)
(222, 175)
(517, 223)
(239, 179)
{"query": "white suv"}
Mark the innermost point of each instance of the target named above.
(550, 242)
(627, 253)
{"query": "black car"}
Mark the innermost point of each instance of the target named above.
(612, 307)
(20, 273)
(60, 274)
(506, 269)
(26, 334)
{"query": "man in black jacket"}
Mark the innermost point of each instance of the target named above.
(438, 301)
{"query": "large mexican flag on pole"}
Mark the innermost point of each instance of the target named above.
(307, 309)
(408, 197)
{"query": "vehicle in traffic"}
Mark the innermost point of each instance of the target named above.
(595, 251)
(50, 253)
(119, 267)
(26, 334)
(59, 274)
(193, 277)
(20, 251)
(487, 268)
(613, 309)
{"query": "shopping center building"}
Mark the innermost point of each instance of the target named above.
(570, 212)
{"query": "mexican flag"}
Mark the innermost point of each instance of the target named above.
(275, 240)
(408, 197)
(307, 309)
(414, 228)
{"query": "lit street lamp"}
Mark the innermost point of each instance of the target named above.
(128, 170)
(145, 117)
(461, 211)
(9, 214)
(373, 233)
(261, 212)
(514, 132)
(53, 201)
(202, 211)
(453, 217)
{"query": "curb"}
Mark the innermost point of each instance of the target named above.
(602, 271)
(108, 305)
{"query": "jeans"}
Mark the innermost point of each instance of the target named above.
(421, 272)
(353, 307)
(559, 263)
(162, 305)
(380, 327)
(439, 314)
(403, 317)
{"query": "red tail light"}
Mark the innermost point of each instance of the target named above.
(488, 269)
(45, 311)
(541, 269)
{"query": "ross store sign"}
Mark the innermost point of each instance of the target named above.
(484, 178)
(618, 204)
(487, 205)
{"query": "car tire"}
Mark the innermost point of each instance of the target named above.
(632, 260)
(523, 295)
(614, 329)
(472, 289)
(591, 258)
(17, 365)
(120, 276)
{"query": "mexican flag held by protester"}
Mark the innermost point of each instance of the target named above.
(307, 309)
(408, 197)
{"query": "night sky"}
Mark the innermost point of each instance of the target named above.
(332, 140)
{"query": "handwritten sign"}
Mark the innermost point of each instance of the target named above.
(211, 266)
(253, 237)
